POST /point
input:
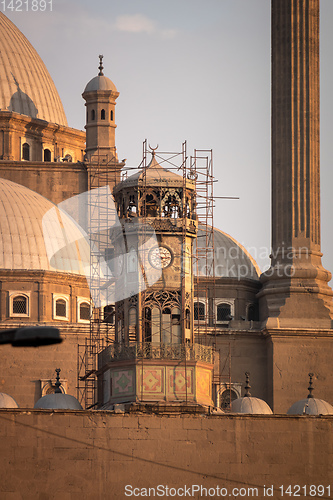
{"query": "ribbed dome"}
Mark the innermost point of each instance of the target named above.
(100, 83)
(311, 406)
(25, 84)
(155, 175)
(254, 406)
(58, 402)
(7, 401)
(22, 240)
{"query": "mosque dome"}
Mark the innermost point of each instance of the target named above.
(7, 401)
(31, 237)
(249, 404)
(310, 405)
(25, 84)
(58, 401)
(231, 259)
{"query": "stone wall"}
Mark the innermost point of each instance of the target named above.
(93, 455)
(24, 370)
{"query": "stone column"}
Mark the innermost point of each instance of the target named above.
(295, 290)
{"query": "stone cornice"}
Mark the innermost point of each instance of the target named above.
(11, 117)
(56, 277)
(42, 165)
(297, 332)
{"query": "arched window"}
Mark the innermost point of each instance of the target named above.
(84, 311)
(223, 312)
(132, 324)
(166, 326)
(103, 114)
(109, 314)
(151, 206)
(188, 319)
(155, 325)
(132, 316)
(61, 309)
(199, 311)
(92, 115)
(111, 115)
(20, 305)
(26, 151)
(227, 397)
(47, 155)
(176, 326)
(148, 325)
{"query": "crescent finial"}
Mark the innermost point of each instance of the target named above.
(153, 149)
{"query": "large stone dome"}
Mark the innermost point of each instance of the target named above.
(231, 259)
(25, 244)
(25, 84)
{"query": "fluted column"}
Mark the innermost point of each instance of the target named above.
(295, 287)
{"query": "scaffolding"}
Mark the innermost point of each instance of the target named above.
(103, 171)
(204, 255)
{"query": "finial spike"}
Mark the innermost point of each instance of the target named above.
(100, 65)
(247, 385)
(310, 388)
(58, 383)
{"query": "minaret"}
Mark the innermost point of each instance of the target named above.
(100, 95)
(295, 291)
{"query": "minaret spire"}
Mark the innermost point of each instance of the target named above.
(295, 291)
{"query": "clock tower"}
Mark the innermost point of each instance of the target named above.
(157, 202)
(154, 358)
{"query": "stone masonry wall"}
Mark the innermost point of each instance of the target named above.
(71, 455)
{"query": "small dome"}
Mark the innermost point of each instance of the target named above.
(155, 175)
(254, 406)
(7, 401)
(100, 83)
(248, 404)
(310, 406)
(25, 84)
(58, 401)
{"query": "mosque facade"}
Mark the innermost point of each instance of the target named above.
(277, 326)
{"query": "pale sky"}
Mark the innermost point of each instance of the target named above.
(187, 70)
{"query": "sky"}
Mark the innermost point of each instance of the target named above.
(186, 70)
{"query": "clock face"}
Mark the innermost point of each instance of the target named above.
(160, 257)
